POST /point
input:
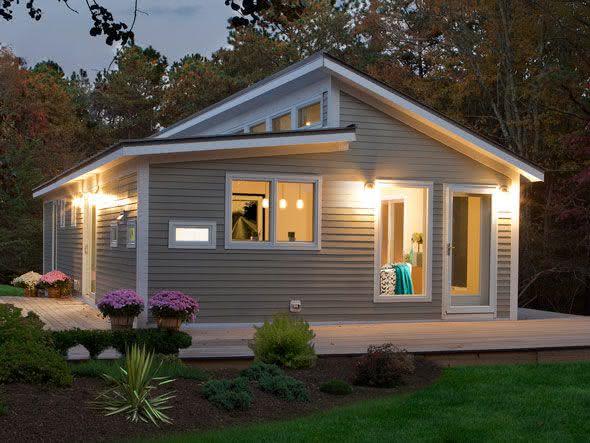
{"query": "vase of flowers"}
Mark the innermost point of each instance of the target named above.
(171, 308)
(56, 283)
(28, 282)
(121, 306)
(418, 238)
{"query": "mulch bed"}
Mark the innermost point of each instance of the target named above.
(38, 413)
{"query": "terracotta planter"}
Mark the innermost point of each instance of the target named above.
(54, 292)
(119, 322)
(30, 292)
(171, 323)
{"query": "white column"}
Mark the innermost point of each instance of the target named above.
(142, 236)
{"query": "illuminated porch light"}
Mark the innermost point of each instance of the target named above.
(503, 199)
(370, 194)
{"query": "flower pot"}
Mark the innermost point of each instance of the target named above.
(171, 323)
(54, 292)
(119, 322)
(30, 292)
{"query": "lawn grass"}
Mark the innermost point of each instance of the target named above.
(547, 402)
(170, 368)
(10, 291)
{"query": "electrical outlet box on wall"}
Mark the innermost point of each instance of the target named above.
(295, 306)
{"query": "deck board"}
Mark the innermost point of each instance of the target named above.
(548, 334)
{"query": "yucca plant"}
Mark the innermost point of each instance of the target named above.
(131, 389)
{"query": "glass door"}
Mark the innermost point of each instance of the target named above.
(469, 248)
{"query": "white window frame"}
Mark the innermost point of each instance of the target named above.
(61, 206)
(114, 239)
(273, 243)
(293, 109)
(131, 223)
(73, 214)
(313, 101)
(427, 254)
(175, 223)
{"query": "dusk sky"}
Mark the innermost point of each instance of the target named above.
(175, 28)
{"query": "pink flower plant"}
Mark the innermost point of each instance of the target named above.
(122, 302)
(173, 304)
(53, 279)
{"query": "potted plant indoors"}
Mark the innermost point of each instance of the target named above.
(121, 306)
(171, 308)
(56, 283)
(28, 282)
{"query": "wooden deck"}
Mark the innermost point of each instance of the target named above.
(541, 337)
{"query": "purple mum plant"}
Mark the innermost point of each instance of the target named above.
(174, 304)
(122, 302)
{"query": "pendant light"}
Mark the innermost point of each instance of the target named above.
(265, 199)
(299, 203)
(282, 201)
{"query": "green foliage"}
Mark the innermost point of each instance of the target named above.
(336, 387)
(171, 367)
(11, 291)
(284, 387)
(26, 352)
(260, 369)
(384, 366)
(131, 391)
(285, 341)
(32, 362)
(157, 341)
(228, 394)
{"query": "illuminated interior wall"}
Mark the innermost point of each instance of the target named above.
(291, 218)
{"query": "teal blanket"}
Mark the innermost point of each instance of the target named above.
(403, 279)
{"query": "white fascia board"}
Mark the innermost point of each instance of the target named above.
(202, 146)
(246, 96)
(115, 155)
(429, 118)
(262, 142)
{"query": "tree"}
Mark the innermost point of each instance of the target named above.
(127, 99)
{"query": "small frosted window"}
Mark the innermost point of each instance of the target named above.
(192, 234)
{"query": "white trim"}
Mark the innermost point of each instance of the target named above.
(142, 237)
(211, 226)
(429, 215)
(333, 104)
(422, 114)
(492, 307)
(130, 244)
(273, 244)
(287, 77)
(514, 245)
(114, 234)
(280, 141)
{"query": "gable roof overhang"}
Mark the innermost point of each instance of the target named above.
(206, 148)
(418, 115)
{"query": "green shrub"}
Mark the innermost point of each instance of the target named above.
(284, 387)
(15, 327)
(285, 341)
(131, 390)
(170, 367)
(260, 369)
(32, 362)
(160, 341)
(228, 394)
(96, 341)
(384, 366)
(336, 387)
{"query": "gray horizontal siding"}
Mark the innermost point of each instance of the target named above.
(116, 266)
(335, 283)
(69, 241)
(48, 220)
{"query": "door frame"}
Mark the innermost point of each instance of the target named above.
(449, 311)
(88, 242)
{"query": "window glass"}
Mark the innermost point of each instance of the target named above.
(309, 115)
(295, 212)
(402, 235)
(192, 234)
(250, 217)
(282, 123)
(258, 128)
(131, 232)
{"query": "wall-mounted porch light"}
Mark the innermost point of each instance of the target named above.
(503, 199)
(122, 216)
(370, 192)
